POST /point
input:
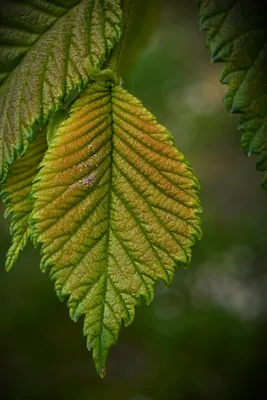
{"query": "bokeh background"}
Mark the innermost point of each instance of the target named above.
(205, 336)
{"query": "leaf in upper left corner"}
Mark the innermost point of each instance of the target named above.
(43, 48)
(16, 195)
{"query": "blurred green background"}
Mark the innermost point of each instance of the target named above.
(204, 337)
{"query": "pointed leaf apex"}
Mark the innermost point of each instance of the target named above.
(115, 211)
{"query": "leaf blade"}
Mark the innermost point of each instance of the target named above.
(16, 196)
(237, 34)
(124, 215)
(47, 74)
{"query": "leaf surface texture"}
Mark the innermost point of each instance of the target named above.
(115, 211)
(43, 49)
(237, 34)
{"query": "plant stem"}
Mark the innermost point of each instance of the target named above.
(114, 61)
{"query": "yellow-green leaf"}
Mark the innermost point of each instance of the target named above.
(43, 49)
(115, 211)
(16, 195)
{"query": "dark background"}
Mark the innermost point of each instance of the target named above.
(204, 337)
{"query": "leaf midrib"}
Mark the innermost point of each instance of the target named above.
(109, 200)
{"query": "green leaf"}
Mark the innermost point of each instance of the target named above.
(237, 34)
(21, 25)
(16, 195)
(43, 49)
(115, 210)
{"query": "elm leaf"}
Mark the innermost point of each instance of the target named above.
(237, 34)
(43, 48)
(16, 195)
(115, 210)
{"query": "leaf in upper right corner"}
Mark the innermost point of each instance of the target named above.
(237, 34)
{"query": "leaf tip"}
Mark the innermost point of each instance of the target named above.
(8, 265)
(102, 372)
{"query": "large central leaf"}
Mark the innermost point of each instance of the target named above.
(43, 49)
(115, 210)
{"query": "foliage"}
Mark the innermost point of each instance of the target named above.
(87, 172)
(110, 162)
(114, 204)
(16, 195)
(237, 34)
(43, 48)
